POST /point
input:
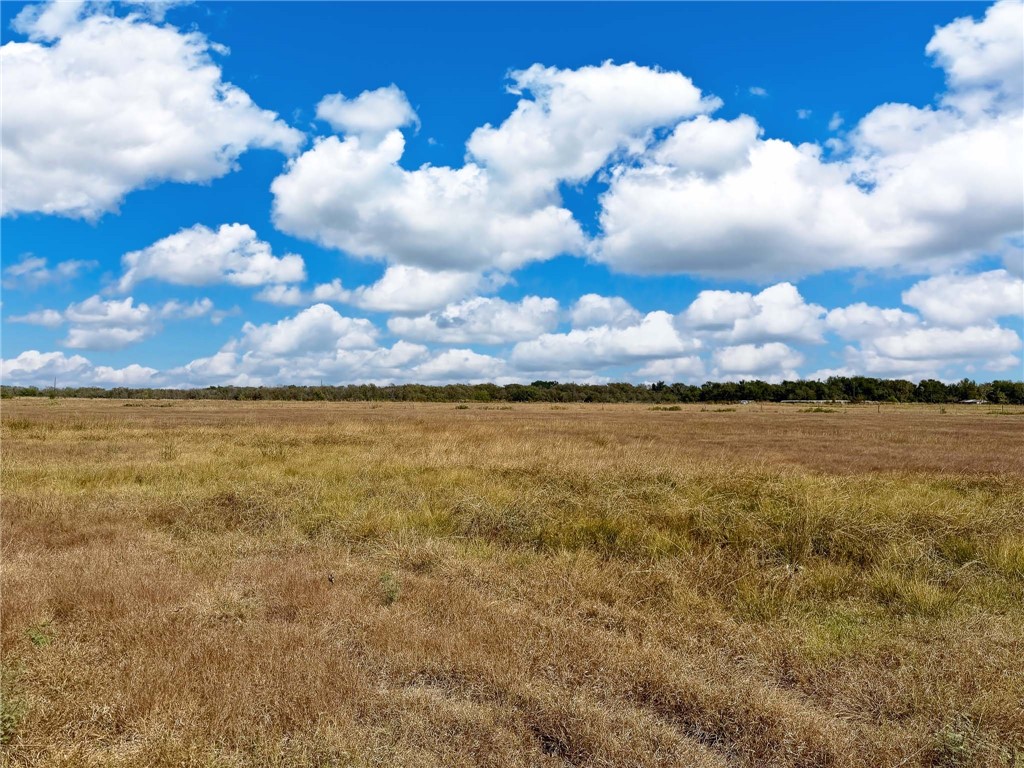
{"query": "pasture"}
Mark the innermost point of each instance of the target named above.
(248, 584)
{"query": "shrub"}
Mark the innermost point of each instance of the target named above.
(389, 588)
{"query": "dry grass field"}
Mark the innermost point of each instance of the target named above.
(228, 584)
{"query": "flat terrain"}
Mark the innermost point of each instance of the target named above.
(243, 584)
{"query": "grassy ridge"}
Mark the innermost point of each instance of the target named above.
(228, 584)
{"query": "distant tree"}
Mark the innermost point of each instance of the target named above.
(932, 391)
(965, 389)
(836, 387)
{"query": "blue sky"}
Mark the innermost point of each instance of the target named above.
(288, 192)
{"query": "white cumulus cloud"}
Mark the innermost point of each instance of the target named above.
(593, 310)
(35, 367)
(984, 55)
(772, 361)
(574, 120)
(371, 112)
(198, 255)
(315, 329)
(778, 312)
(960, 299)
(400, 289)
(318, 343)
(412, 289)
(687, 369)
(353, 195)
(500, 210)
(32, 272)
(50, 318)
(133, 375)
(460, 365)
(96, 105)
(709, 146)
(947, 343)
(294, 296)
(481, 320)
(863, 321)
(655, 336)
(40, 369)
(96, 323)
(920, 187)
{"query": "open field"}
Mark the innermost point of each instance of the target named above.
(216, 583)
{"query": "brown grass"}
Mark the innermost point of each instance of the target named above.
(223, 584)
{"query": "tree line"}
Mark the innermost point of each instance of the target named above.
(852, 388)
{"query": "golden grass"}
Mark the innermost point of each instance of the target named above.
(224, 584)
